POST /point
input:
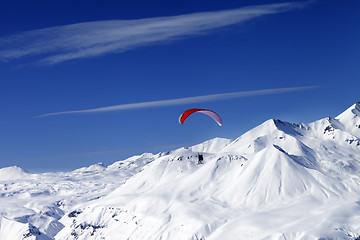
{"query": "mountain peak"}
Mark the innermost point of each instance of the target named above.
(95, 167)
(353, 111)
(350, 118)
(11, 173)
(211, 146)
(279, 125)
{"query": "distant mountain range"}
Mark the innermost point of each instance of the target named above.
(277, 181)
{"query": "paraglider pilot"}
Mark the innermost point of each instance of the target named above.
(201, 158)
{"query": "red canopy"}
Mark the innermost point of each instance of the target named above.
(210, 113)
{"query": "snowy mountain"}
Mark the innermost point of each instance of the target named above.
(31, 206)
(12, 173)
(277, 181)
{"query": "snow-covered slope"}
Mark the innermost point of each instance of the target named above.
(36, 202)
(277, 181)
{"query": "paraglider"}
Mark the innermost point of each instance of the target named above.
(210, 113)
(200, 158)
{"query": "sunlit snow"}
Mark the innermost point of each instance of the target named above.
(277, 181)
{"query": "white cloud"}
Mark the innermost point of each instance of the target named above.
(182, 101)
(62, 43)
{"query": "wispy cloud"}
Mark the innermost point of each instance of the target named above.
(82, 40)
(183, 101)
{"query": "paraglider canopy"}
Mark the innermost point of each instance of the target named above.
(210, 113)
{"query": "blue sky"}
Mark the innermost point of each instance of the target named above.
(134, 66)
